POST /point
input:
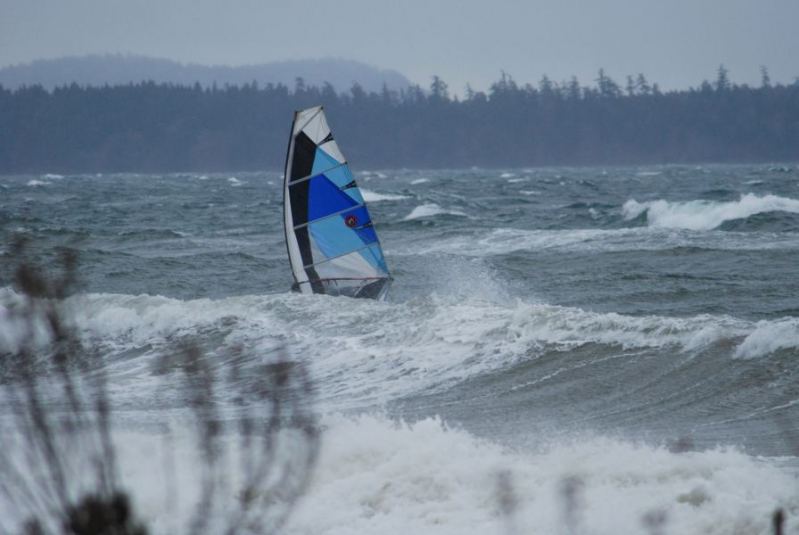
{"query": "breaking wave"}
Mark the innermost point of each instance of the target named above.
(374, 352)
(768, 337)
(371, 196)
(430, 210)
(380, 476)
(506, 240)
(706, 215)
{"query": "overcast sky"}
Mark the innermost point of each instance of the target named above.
(677, 43)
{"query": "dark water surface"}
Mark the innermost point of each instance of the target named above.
(648, 303)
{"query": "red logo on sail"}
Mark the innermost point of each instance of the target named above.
(351, 221)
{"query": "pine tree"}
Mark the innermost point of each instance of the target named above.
(642, 85)
(765, 79)
(722, 79)
(439, 89)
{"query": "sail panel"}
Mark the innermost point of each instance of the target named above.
(326, 198)
(316, 127)
(367, 233)
(303, 157)
(331, 148)
(298, 201)
(319, 133)
(342, 177)
(334, 237)
(374, 255)
(302, 118)
(349, 266)
(322, 162)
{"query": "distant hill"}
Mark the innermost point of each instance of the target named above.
(97, 70)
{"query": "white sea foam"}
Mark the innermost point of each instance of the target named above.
(506, 240)
(371, 196)
(511, 328)
(419, 181)
(430, 210)
(369, 175)
(17, 329)
(161, 474)
(393, 350)
(52, 176)
(780, 169)
(506, 175)
(517, 180)
(36, 183)
(235, 181)
(706, 215)
(768, 337)
(378, 476)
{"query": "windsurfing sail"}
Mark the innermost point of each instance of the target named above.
(332, 244)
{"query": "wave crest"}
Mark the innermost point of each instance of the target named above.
(430, 210)
(380, 476)
(703, 214)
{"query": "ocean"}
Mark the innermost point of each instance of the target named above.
(617, 346)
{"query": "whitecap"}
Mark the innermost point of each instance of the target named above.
(769, 337)
(37, 183)
(505, 240)
(703, 214)
(376, 475)
(371, 196)
(368, 175)
(423, 345)
(419, 181)
(430, 210)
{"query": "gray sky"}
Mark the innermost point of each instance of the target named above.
(677, 43)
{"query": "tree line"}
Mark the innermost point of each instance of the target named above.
(149, 127)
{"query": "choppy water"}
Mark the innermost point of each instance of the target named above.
(548, 322)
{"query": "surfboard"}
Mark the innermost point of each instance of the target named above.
(332, 244)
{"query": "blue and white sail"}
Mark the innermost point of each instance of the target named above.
(332, 244)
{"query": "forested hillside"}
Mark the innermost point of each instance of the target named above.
(159, 127)
(119, 69)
